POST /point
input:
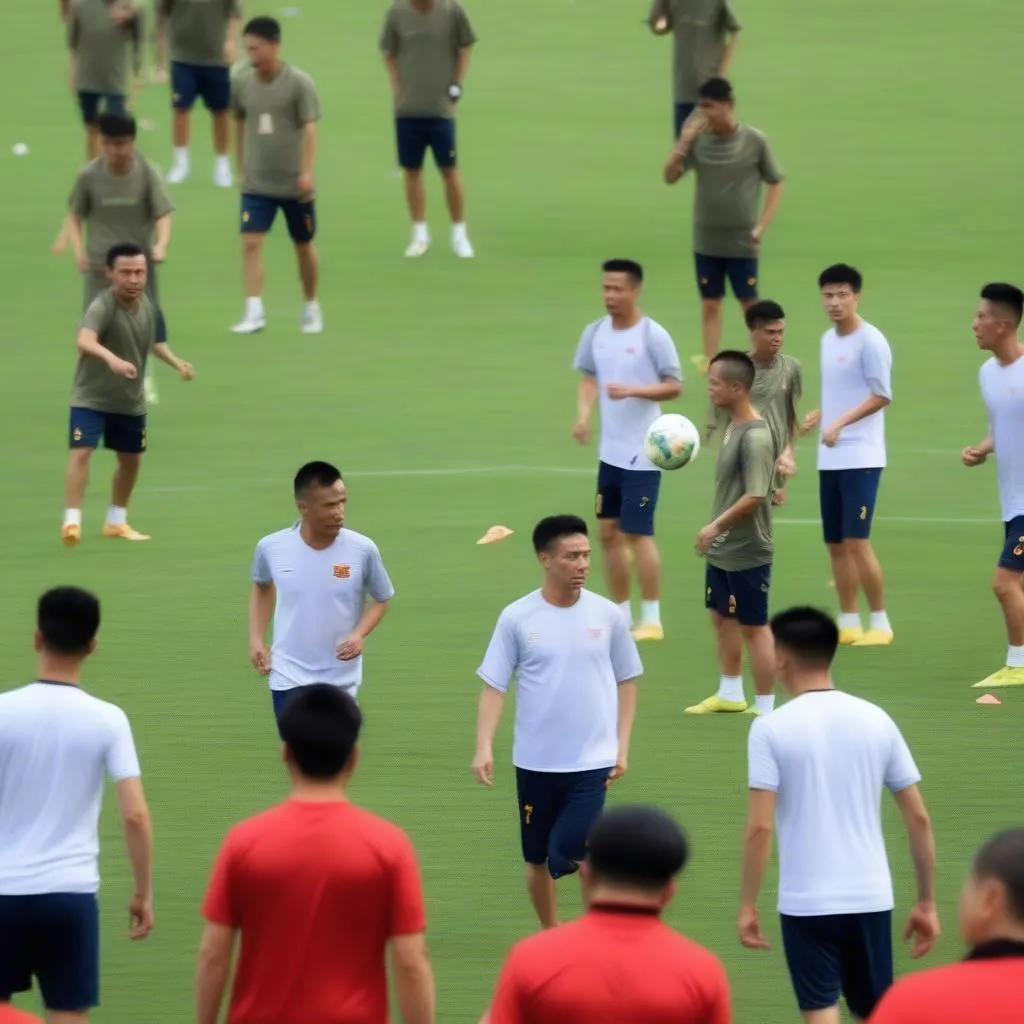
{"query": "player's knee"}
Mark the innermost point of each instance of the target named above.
(710, 307)
(837, 549)
(858, 548)
(610, 535)
(1006, 585)
(252, 241)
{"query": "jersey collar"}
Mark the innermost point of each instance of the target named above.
(640, 909)
(997, 949)
(54, 682)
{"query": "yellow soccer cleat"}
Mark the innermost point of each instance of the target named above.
(648, 631)
(716, 706)
(874, 638)
(123, 532)
(701, 364)
(70, 534)
(850, 635)
(1004, 677)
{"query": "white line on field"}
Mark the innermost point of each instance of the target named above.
(897, 519)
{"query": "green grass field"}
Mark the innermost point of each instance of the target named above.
(444, 390)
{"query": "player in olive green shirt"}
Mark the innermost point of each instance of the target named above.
(427, 46)
(203, 37)
(276, 109)
(108, 402)
(738, 543)
(705, 34)
(731, 162)
(100, 35)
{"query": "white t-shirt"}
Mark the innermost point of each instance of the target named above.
(641, 356)
(829, 756)
(57, 745)
(567, 664)
(1002, 388)
(853, 368)
(320, 598)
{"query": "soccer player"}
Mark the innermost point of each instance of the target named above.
(627, 364)
(575, 667)
(276, 109)
(11, 1015)
(203, 38)
(108, 402)
(987, 986)
(618, 962)
(818, 767)
(997, 330)
(100, 33)
(57, 745)
(731, 161)
(314, 581)
(427, 45)
(856, 387)
(317, 892)
(705, 34)
(738, 543)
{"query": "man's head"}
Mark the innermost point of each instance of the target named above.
(262, 39)
(806, 641)
(634, 852)
(117, 138)
(563, 549)
(67, 621)
(716, 101)
(730, 378)
(766, 322)
(621, 283)
(999, 315)
(320, 727)
(321, 497)
(840, 286)
(992, 899)
(127, 270)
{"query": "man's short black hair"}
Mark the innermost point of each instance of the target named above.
(315, 474)
(629, 267)
(1009, 296)
(718, 90)
(736, 366)
(125, 250)
(808, 633)
(1002, 858)
(842, 273)
(68, 618)
(763, 312)
(320, 726)
(117, 126)
(636, 847)
(553, 528)
(263, 27)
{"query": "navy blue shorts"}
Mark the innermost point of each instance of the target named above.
(681, 112)
(741, 594)
(628, 495)
(847, 498)
(556, 812)
(93, 104)
(713, 271)
(1012, 555)
(190, 82)
(259, 212)
(415, 135)
(54, 938)
(119, 433)
(847, 954)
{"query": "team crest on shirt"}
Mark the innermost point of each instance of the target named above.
(532, 638)
(594, 632)
(630, 351)
(342, 572)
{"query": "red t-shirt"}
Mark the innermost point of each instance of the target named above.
(615, 964)
(10, 1015)
(316, 891)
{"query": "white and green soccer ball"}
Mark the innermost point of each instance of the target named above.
(672, 441)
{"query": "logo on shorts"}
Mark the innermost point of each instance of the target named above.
(309, 224)
(342, 572)
(76, 434)
(142, 442)
(764, 588)
(751, 281)
(245, 217)
(732, 605)
(176, 97)
(644, 502)
(1019, 549)
(863, 512)
(703, 280)
(527, 813)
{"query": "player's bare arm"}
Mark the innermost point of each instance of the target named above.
(674, 169)
(975, 455)
(757, 850)
(162, 238)
(731, 42)
(163, 352)
(923, 924)
(462, 64)
(391, 65)
(76, 237)
(352, 646)
(586, 399)
(138, 837)
(870, 405)
(772, 199)
(309, 143)
(262, 598)
(627, 715)
(488, 716)
(89, 344)
(414, 978)
(743, 508)
(213, 970)
(231, 41)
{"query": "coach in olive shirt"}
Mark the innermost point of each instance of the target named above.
(426, 46)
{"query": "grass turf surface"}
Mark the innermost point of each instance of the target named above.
(444, 390)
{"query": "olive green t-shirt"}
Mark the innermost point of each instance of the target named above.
(275, 111)
(130, 334)
(730, 170)
(118, 207)
(746, 465)
(101, 46)
(198, 29)
(700, 29)
(425, 45)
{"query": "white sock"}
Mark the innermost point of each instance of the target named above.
(181, 156)
(73, 517)
(117, 516)
(254, 308)
(650, 613)
(222, 161)
(419, 232)
(458, 231)
(627, 611)
(1014, 656)
(764, 703)
(731, 688)
(313, 305)
(879, 620)
(849, 620)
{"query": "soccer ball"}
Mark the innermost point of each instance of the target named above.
(672, 441)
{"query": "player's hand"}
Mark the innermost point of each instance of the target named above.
(305, 185)
(159, 253)
(660, 26)
(830, 436)
(259, 656)
(581, 431)
(785, 464)
(749, 927)
(617, 392)
(483, 767)
(923, 929)
(620, 769)
(973, 456)
(810, 421)
(230, 52)
(158, 76)
(692, 127)
(186, 370)
(60, 244)
(140, 917)
(756, 236)
(122, 368)
(779, 496)
(706, 538)
(82, 262)
(351, 647)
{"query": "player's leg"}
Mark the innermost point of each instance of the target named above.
(614, 550)
(67, 959)
(866, 962)
(15, 960)
(85, 431)
(844, 569)
(719, 601)
(412, 148)
(536, 795)
(680, 114)
(813, 959)
(279, 701)
(301, 220)
(640, 489)
(860, 492)
(126, 437)
(1006, 585)
(215, 90)
(742, 274)
(442, 145)
(184, 89)
(750, 588)
(711, 285)
(89, 104)
(258, 213)
(582, 804)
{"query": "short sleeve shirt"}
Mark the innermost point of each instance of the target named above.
(197, 29)
(101, 47)
(700, 29)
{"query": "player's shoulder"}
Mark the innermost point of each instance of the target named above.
(300, 78)
(754, 135)
(791, 364)
(358, 541)
(656, 330)
(102, 305)
(522, 608)
(278, 538)
(871, 335)
(597, 604)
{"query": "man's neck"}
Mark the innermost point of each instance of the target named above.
(60, 670)
(1003, 931)
(743, 412)
(848, 326)
(1008, 351)
(810, 683)
(559, 596)
(626, 320)
(308, 792)
(316, 543)
(126, 303)
(726, 129)
(271, 71)
(613, 896)
(423, 6)
(114, 172)
(765, 359)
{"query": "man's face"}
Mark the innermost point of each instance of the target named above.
(118, 153)
(840, 301)
(260, 51)
(717, 112)
(990, 325)
(567, 561)
(722, 392)
(620, 293)
(128, 277)
(766, 339)
(323, 508)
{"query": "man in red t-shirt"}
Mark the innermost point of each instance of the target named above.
(11, 1015)
(618, 962)
(987, 987)
(317, 889)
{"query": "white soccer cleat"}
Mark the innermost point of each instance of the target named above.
(250, 325)
(177, 174)
(312, 319)
(222, 176)
(417, 247)
(462, 248)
